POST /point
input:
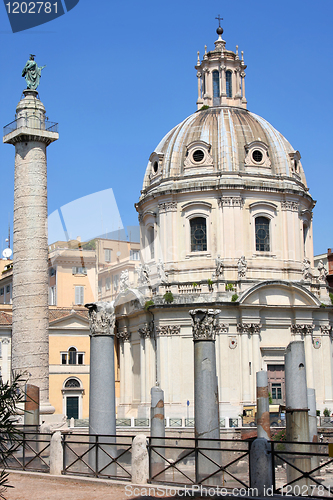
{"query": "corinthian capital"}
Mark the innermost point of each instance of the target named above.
(102, 318)
(204, 323)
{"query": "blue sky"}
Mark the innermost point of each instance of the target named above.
(119, 75)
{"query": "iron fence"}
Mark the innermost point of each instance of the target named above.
(31, 122)
(97, 455)
(28, 451)
(192, 461)
(302, 469)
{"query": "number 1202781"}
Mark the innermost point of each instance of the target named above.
(32, 7)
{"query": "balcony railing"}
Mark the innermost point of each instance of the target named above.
(30, 122)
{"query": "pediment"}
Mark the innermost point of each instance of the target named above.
(71, 322)
(279, 294)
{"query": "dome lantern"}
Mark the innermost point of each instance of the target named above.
(221, 76)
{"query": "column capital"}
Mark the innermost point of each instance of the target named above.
(204, 323)
(146, 330)
(124, 334)
(102, 318)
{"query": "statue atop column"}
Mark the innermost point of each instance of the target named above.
(32, 73)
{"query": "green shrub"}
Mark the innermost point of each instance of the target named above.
(168, 297)
(194, 285)
(204, 107)
(148, 304)
(331, 296)
(229, 287)
(234, 297)
(326, 412)
(210, 283)
(318, 413)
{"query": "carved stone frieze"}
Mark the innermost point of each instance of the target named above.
(231, 201)
(289, 205)
(146, 330)
(204, 323)
(102, 318)
(168, 330)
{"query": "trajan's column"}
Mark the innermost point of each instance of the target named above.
(31, 133)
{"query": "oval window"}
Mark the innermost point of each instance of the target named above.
(155, 167)
(198, 155)
(257, 155)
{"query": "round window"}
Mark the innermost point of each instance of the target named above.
(198, 155)
(155, 167)
(257, 155)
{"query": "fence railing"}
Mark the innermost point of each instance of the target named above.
(31, 121)
(28, 451)
(97, 455)
(300, 469)
(194, 461)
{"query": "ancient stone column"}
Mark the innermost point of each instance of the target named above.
(31, 134)
(102, 400)
(297, 419)
(206, 399)
(263, 423)
(260, 456)
(157, 431)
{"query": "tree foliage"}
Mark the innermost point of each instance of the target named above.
(11, 395)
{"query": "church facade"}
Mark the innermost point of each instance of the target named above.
(226, 223)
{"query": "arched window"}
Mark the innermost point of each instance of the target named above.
(228, 77)
(72, 383)
(262, 234)
(150, 235)
(198, 234)
(72, 357)
(216, 88)
(305, 235)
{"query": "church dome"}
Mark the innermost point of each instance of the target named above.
(223, 140)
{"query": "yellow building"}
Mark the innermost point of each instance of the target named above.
(114, 257)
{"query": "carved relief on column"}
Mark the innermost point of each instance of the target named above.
(102, 318)
(146, 330)
(167, 330)
(204, 323)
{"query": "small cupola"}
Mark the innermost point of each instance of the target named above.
(221, 76)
